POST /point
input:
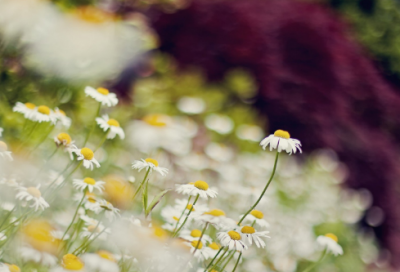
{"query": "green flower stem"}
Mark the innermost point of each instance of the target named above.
(94, 125)
(263, 192)
(179, 219)
(8, 215)
(42, 140)
(87, 242)
(74, 235)
(201, 236)
(213, 259)
(311, 267)
(187, 216)
(27, 136)
(45, 163)
(76, 213)
(67, 177)
(58, 176)
(220, 258)
(141, 184)
(102, 141)
(229, 259)
(237, 262)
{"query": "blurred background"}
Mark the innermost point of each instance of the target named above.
(326, 71)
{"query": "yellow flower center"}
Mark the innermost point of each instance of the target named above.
(234, 235)
(155, 120)
(62, 112)
(248, 230)
(153, 161)
(89, 181)
(64, 138)
(87, 153)
(113, 122)
(190, 206)
(3, 146)
(215, 212)
(282, 134)
(34, 192)
(332, 236)
(13, 268)
(197, 244)
(214, 246)
(195, 233)
(44, 110)
(257, 214)
(91, 197)
(160, 233)
(30, 106)
(72, 262)
(202, 185)
(175, 218)
(106, 255)
(103, 91)
(93, 228)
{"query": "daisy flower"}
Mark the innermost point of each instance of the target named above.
(196, 188)
(110, 125)
(151, 164)
(87, 155)
(257, 217)
(101, 261)
(44, 114)
(70, 262)
(27, 109)
(63, 139)
(102, 95)
(330, 243)
(62, 117)
(212, 249)
(232, 239)
(32, 194)
(249, 234)
(4, 151)
(29, 254)
(93, 230)
(281, 140)
(110, 211)
(89, 183)
(201, 253)
(194, 235)
(217, 218)
(9, 268)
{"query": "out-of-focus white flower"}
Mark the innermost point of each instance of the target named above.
(212, 249)
(201, 252)
(29, 254)
(232, 239)
(102, 261)
(151, 164)
(12, 182)
(110, 125)
(93, 230)
(87, 155)
(219, 123)
(33, 195)
(192, 235)
(89, 183)
(191, 105)
(110, 211)
(217, 218)
(4, 153)
(70, 262)
(102, 95)
(249, 234)
(281, 140)
(257, 217)
(62, 117)
(196, 188)
(27, 109)
(330, 243)
(249, 132)
(219, 152)
(63, 139)
(9, 268)
(44, 114)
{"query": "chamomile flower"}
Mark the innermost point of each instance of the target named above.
(257, 217)
(192, 235)
(330, 243)
(200, 253)
(44, 114)
(33, 195)
(30, 254)
(281, 140)
(62, 117)
(151, 164)
(101, 261)
(249, 234)
(89, 183)
(87, 155)
(90, 202)
(4, 153)
(217, 218)
(102, 95)
(27, 109)
(110, 211)
(91, 231)
(196, 188)
(110, 125)
(9, 268)
(212, 249)
(69, 263)
(63, 139)
(232, 239)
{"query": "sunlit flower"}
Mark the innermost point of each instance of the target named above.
(102, 95)
(281, 140)
(69, 263)
(330, 243)
(249, 234)
(33, 195)
(151, 164)
(110, 125)
(212, 249)
(200, 253)
(101, 261)
(192, 235)
(232, 239)
(44, 114)
(87, 155)
(90, 203)
(110, 211)
(196, 188)
(257, 217)
(4, 153)
(62, 117)
(27, 109)
(89, 183)
(63, 139)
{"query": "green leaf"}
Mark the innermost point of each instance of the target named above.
(145, 195)
(155, 201)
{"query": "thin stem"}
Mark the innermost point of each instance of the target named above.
(87, 243)
(179, 219)
(68, 176)
(201, 236)
(311, 267)
(213, 259)
(102, 141)
(229, 259)
(8, 215)
(187, 216)
(141, 184)
(41, 141)
(219, 259)
(73, 218)
(263, 192)
(94, 125)
(45, 163)
(58, 176)
(237, 262)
